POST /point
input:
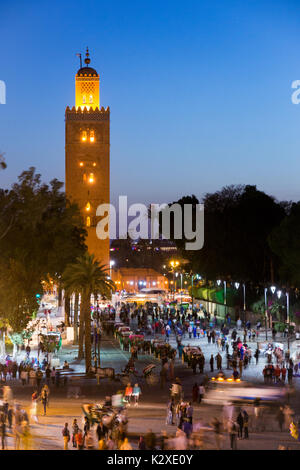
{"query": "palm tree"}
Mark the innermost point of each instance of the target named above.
(87, 276)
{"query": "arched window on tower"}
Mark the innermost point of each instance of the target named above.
(91, 178)
(88, 221)
(84, 136)
(88, 207)
(91, 99)
(92, 136)
(84, 98)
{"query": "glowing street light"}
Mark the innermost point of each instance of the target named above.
(237, 286)
(174, 264)
(279, 294)
(111, 264)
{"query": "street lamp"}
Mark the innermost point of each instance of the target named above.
(180, 291)
(174, 264)
(219, 282)
(111, 264)
(288, 316)
(279, 295)
(266, 313)
(196, 276)
(237, 285)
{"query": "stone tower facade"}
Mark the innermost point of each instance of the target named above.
(87, 140)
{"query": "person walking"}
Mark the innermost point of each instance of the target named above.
(283, 373)
(150, 440)
(240, 422)
(86, 428)
(66, 436)
(201, 362)
(232, 431)
(44, 398)
(256, 355)
(290, 375)
(170, 412)
(142, 444)
(33, 409)
(189, 412)
(136, 393)
(79, 440)
(39, 377)
(128, 393)
(216, 424)
(3, 431)
(219, 361)
(201, 392)
(75, 429)
(280, 418)
(211, 363)
(246, 424)
(24, 376)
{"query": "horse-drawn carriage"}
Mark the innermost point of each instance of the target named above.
(97, 413)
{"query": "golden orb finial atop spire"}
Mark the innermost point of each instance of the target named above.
(87, 59)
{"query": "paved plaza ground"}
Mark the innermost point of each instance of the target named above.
(151, 412)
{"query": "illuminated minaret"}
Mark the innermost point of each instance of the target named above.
(87, 154)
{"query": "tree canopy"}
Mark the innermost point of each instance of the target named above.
(284, 241)
(237, 223)
(40, 233)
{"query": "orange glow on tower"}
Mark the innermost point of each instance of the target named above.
(87, 86)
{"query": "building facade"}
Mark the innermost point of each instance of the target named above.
(87, 147)
(135, 279)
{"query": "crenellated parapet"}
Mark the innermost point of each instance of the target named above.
(85, 114)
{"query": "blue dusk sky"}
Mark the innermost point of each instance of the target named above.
(199, 91)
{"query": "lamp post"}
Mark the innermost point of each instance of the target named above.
(219, 282)
(194, 276)
(237, 285)
(279, 293)
(288, 316)
(175, 286)
(174, 264)
(180, 291)
(111, 264)
(192, 293)
(266, 313)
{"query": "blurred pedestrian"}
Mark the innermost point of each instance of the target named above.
(232, 431)
(66, 436)
(216, 424)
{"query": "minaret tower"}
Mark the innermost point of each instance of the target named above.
(87, 155)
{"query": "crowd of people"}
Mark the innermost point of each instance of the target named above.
(229, 349)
